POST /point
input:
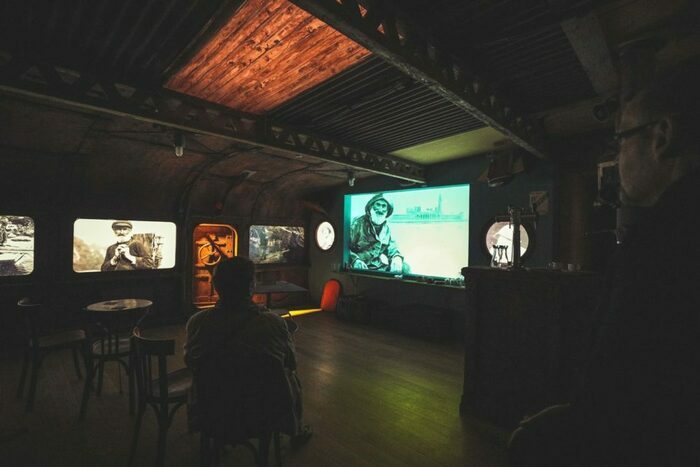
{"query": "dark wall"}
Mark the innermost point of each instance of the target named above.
(57, 166)
(485, 203)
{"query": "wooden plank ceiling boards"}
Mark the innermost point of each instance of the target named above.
(269, 52)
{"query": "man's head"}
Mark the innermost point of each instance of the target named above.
(234, 278)
(122, 229)
(657, 130)
(379, 209)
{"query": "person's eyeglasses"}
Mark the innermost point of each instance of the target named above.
(620, 136)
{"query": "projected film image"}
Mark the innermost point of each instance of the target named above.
(16, 245)
(122, 245)
(417, 232)
(271, 244)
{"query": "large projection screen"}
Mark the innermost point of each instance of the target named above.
(428, 228)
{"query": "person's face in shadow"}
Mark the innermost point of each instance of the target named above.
(646, 163)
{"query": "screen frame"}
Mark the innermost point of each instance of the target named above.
(35, 217)
(412, 277)
(171, 271)
(305, 261)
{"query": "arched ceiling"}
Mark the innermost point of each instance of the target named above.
(541, 64)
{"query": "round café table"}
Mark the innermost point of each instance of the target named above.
(116, 320)
(122, 305)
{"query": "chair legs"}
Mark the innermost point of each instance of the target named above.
(263, 453)
(278, 450)
(137, 429)
(97, 370)
(162, 441)
(132, 384)
(34, 379)
(76, 363)
(23, 375)
(89, 375)
(100, 376)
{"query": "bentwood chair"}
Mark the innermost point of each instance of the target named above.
(40, 340)
(164, 392)
(242, 395)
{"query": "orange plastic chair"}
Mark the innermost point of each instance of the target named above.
(332, 289)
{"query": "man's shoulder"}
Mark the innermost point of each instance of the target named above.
(359, 220)
(267, 315)
(197, 318)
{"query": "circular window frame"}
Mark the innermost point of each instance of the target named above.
(335, 235)
(527, 226)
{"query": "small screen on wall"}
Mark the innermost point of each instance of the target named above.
(416, 232)
(270, 244)
(122, 245)
(16, 245)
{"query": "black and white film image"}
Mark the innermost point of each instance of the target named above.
(122, 245)
(16, 245)
(271, 244)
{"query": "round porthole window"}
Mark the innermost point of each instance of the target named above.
(325, 235)
(498, 241)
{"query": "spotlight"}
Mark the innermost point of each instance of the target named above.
(351, 178)
(179, 143)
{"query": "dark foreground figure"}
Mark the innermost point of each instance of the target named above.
(639, 400)
(236, 322)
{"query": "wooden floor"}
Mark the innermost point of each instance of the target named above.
(374, 398)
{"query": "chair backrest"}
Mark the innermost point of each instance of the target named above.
(331, 291)
(243, 393)
(151, 362)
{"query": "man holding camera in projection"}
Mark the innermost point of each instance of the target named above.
(127, 254)
(371, 244)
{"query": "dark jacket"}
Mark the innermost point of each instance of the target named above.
(640, 399)
(136, 248)
(214, 333)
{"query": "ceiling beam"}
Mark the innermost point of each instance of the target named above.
(379, 27)
(588, 41)
(57, 84)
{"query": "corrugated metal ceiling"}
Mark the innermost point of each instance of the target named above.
(129, 40)
(375, 105)
(519, 43)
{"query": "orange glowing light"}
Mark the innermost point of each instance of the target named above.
(267, 53)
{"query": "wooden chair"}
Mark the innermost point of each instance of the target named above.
(109, 340)
(242, 395)
(164, 392)
(40, 340)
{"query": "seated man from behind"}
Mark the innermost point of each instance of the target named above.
(235, 318)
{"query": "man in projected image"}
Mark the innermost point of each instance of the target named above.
(371, 245)
(127, 254)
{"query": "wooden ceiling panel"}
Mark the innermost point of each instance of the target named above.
(269, 52)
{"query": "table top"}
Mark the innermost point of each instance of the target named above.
(124, 304)
(278, 287)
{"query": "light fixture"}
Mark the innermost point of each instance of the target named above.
(179, 143)
(351, 178)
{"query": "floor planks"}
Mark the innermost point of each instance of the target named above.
(374, 398)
